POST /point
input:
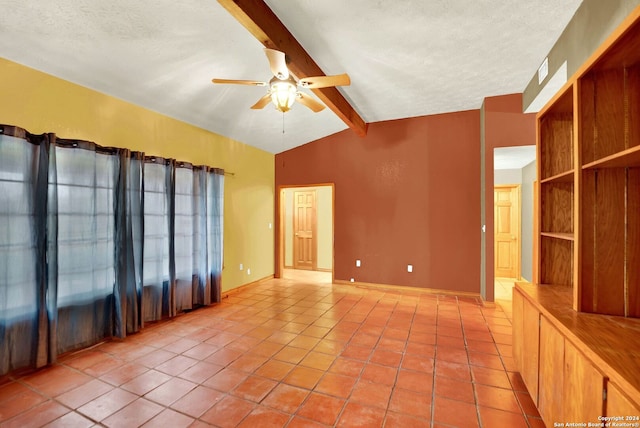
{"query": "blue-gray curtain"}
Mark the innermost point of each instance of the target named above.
(185, 226)
(95, 241)
(215, 233)
(82, 201)
(129, 244)
(158, 265)
(27, 336)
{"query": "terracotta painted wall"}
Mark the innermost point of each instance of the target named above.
(408, 193)
(505, 126)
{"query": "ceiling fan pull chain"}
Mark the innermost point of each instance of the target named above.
(283, 138)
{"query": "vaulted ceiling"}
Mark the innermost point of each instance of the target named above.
(405, 58)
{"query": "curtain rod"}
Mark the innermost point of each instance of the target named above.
(233, 174)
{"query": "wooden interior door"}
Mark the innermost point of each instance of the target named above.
(506, 201)
(304, 230)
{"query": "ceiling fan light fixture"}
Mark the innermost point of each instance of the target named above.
(283, 95)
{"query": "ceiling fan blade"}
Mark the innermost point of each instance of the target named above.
(277, 63)
(239, 82)
(308, 101)
(325, 81)
(262, 102)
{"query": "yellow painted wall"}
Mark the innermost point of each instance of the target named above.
(42, 103)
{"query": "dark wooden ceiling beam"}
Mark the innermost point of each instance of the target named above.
(265, 26)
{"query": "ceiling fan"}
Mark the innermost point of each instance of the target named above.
(283, 86)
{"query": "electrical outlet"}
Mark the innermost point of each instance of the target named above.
(241, 267)
(409, 268)
(248, 271)
(357, 263)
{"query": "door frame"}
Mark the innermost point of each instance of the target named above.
(518, 187)
(280, 218)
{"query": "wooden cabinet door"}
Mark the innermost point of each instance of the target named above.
(526, 336)
(526, 328)
(583, 387)
(517, 329)
(618, 404)
(551, 379)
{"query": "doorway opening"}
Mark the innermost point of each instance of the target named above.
(514, 182)
(306, 217)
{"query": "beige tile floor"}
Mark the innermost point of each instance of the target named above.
(292, 352)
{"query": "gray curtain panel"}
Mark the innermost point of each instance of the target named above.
(95, 241)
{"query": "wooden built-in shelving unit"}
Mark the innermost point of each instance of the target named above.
(585, 303)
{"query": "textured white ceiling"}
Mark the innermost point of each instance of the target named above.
(513, 157)
(406, 58)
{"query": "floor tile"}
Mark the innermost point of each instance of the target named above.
(134, 414)
(146, 382)
(321, 408)
(290, 354)
(107, 404)
(248, 362)
(347, 367)
(83, 394)
(228, 412)
(224, 356)
(415, 381)
(330, 347)
(336, 385)
(201, 351)
(454, 389)
(417, 363)
(254, 388)
(300, 422)
(485, 360)
(398, 420)
(303, 377)
(225, 380)
(71, 419)
(22, 400)
(37, 416)
(265, 417)
(357, 352)
(274, 369)
(411, 403)
(304, 342)
(170, 391)
(386, 358)
(453, 355)
(169, 418)
(491, 377)
(197, 401)
(57, 380)
(286, 398)
(123, 373)
(176, 365)
(317, 360)
(370, 394)
(200, 372)
(266, 348)
(500, 418)
(356, 415)
(155, 358)
(497, 398)
(456, 413)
